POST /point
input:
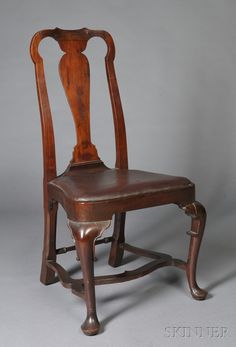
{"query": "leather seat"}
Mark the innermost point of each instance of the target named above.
(99, 183)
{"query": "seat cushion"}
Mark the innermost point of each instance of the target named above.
(95, 184)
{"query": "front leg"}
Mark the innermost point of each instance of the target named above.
(85, 234)
(198, 215)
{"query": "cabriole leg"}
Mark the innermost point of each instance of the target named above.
(49, 245)
(116, 252)
(198, 215)
(84, 234)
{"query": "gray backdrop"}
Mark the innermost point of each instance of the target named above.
(176, 68)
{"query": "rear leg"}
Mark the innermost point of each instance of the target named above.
(49, 245)
(117, 251)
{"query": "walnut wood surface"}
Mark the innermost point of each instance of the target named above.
(92, 193)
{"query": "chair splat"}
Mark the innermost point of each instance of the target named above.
(75, 77)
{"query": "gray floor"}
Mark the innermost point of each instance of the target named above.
(156, 310)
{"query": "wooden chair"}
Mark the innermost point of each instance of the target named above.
(92, 193)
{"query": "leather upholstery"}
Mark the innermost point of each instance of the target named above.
(98, 183)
